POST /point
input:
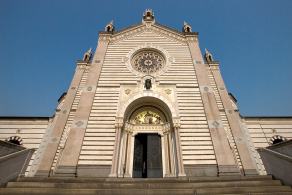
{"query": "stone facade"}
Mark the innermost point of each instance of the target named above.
(148, 79)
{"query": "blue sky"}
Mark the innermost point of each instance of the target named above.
(40, 42)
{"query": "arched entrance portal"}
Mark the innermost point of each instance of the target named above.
(148, 145)
(147, 157)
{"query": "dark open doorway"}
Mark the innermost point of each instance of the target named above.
(147, 156)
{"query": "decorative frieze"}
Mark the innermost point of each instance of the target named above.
(158, 128)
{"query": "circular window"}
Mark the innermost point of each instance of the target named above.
(148, 61)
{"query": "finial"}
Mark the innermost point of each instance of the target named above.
(148, 15)
(186, 28)
(208, 56)
(87, 55)
(206, 51)
(110, 27)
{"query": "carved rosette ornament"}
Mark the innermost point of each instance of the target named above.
(148, 61)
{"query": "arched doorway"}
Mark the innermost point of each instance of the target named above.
(148, 143)
(147, 157)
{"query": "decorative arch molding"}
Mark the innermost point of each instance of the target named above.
(137, 120)
(161, 100)
(126, 131)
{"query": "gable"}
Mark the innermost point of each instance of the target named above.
(155, 28)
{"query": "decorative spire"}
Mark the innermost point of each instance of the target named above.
(148, 15)
(208, 56)
(110, 27)
(187, 28)
(87, 55)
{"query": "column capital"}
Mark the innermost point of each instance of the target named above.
(129, 128)
(166, 128)
(176, 126)
(176, 122)
(119, 122)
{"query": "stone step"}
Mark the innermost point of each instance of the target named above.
(55, 191)
(238, 190)
(272, 193)
(255, 185)
(259, 193)
(143, 180)
(274, 190)
(165, 185)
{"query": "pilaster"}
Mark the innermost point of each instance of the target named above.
(69, 158)
(128, 161)
(176, 126)
(169, 161)
(57, 128)
(118, 127)
(234, 122)
(223, 153)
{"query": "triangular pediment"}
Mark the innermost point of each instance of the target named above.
(133, 27)
(136, 29)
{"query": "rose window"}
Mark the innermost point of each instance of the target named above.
(148, 61)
